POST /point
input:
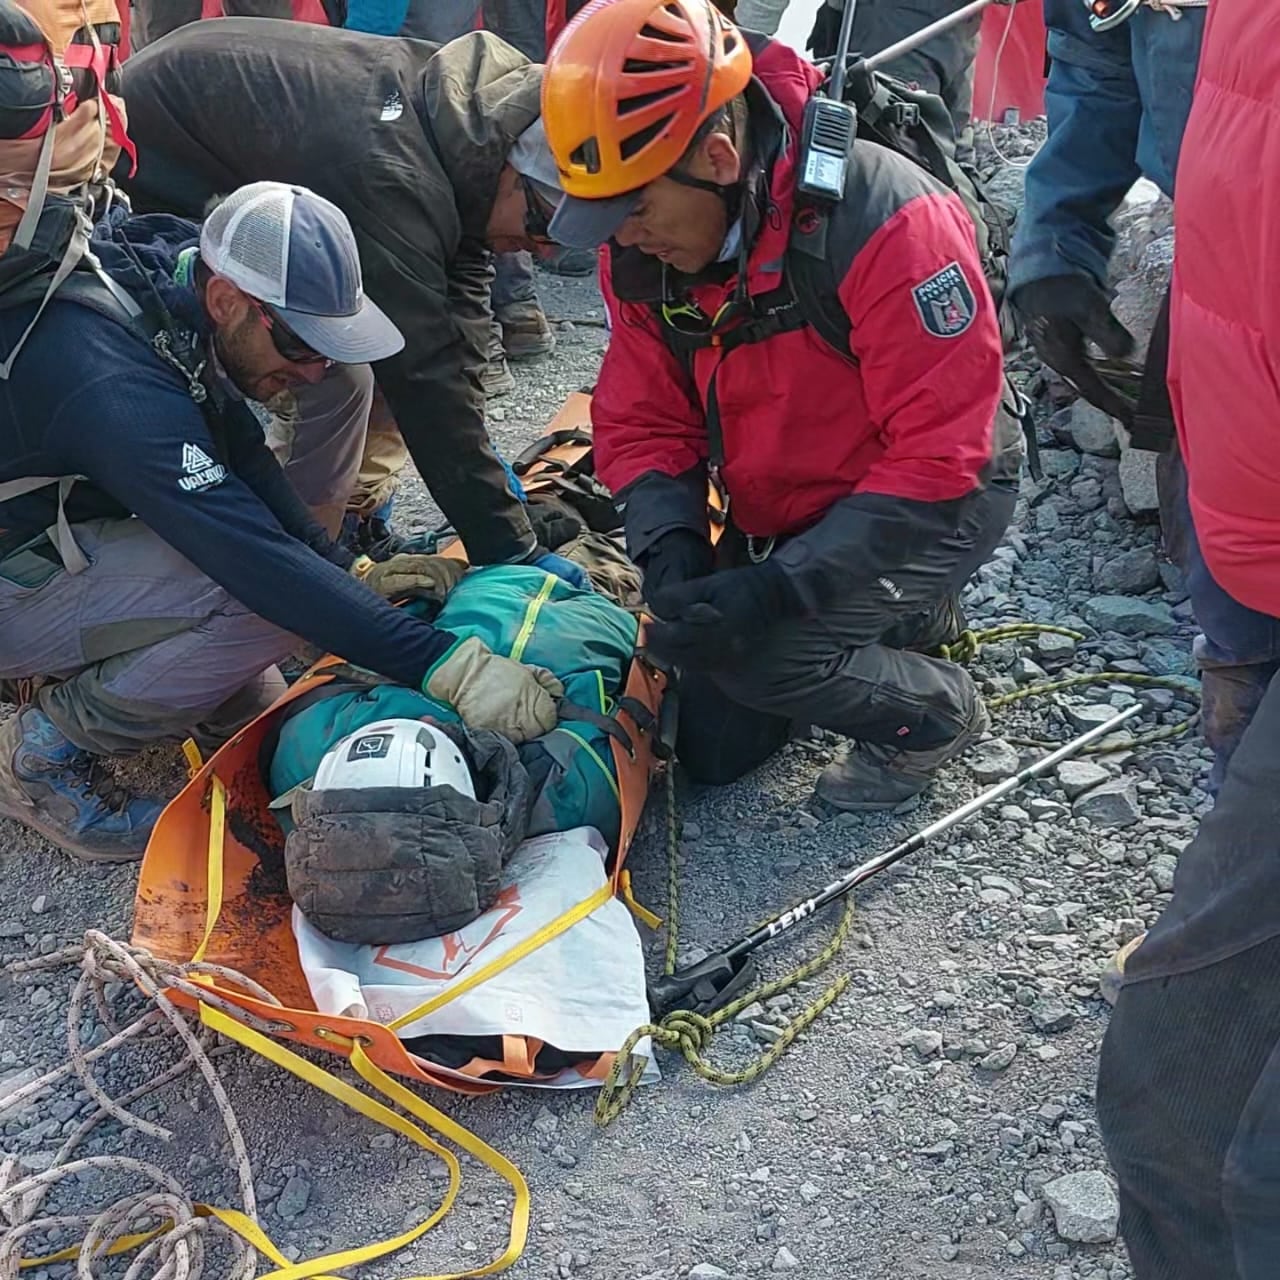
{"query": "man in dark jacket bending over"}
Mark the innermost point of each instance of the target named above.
(413, 142)
(863, 485)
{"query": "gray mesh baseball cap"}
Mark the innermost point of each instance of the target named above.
(295, 251)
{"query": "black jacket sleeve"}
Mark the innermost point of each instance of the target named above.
(151, 450)
(438, 295)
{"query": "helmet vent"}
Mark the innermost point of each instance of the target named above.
(637, 142)
(587, 156)
(627, 106)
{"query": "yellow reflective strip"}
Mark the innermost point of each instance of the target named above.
(383, 1115)
(638, 909)
(195, 761)
(531, 617)
(595, 755)
(526, 947)
(217, 836)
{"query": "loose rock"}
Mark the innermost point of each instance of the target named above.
(1130, 573)
(1085, 1207)
(1129, 617)
(1113, 804)
(1161, 869)
(1051, 1015)
(294, 1198)
(1093, 431)
(785, 1260)
(1078, 776)
(992, 761)
(999, 1059)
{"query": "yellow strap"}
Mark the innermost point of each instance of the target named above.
(374, 1110)
(122, 1245)
(217, 836)
(526, 947)
(195, 761)
(638, 909)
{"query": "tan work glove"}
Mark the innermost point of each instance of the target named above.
(407, 576)
(491, 692)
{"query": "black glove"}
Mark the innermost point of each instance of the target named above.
(1060, 312)
(677, 557)
(551, 526)
(825, 34)
(714, 619)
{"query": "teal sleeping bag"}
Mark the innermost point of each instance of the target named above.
(535, 618)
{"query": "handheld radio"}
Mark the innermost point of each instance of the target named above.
(830, 126)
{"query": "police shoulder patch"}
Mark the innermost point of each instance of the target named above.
(945, 302)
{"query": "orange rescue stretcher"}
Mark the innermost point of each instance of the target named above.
(199, 897)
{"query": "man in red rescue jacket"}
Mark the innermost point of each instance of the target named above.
(864, 484)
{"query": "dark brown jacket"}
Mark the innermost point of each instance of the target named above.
(408, 139)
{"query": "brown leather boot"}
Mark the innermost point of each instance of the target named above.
(872, 776)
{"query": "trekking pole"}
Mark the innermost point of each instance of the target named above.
(705, 986)
(907, 43)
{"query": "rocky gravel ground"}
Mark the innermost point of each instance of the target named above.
(936, 1122)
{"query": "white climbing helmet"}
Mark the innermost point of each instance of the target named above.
(395, 753)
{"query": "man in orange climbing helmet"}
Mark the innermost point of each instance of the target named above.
(834, 369)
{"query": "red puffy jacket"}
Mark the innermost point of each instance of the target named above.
(1224, 359)
(910, 418)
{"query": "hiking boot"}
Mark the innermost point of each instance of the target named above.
(563, 261)
(50, 785)
(873, 776)
(495, 377)
(944, 624)
(1112, 978)
(525, 331)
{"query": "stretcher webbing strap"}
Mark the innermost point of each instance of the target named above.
(526, 947)
(384, 1115)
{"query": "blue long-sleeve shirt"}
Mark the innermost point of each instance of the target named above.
(90, 398)
(1117, 103)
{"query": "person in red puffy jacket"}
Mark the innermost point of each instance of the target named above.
(863, 485)
(1224, 365)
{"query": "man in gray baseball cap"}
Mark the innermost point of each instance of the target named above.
(155, 559)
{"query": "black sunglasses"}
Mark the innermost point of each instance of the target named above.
(538, 211)
(287, 343)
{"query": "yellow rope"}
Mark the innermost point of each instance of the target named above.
(690, 1034)
(968, 645)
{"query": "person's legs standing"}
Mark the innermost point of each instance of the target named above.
(1238, 652)
(321, 440)
(1182, 1059)
(525, 331)
(155, 18)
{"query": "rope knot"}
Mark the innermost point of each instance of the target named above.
(686, 1031)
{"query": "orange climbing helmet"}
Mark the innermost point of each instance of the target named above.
(627, 86)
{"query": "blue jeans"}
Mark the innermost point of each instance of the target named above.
(1238, 652)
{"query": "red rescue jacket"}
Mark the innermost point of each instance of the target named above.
(1224, 355)
(803, 426)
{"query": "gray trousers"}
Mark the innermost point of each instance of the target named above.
(846, 669)
(155, 18)
(142, 645)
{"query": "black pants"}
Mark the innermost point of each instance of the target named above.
(847, 669)
(1189, 1103)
